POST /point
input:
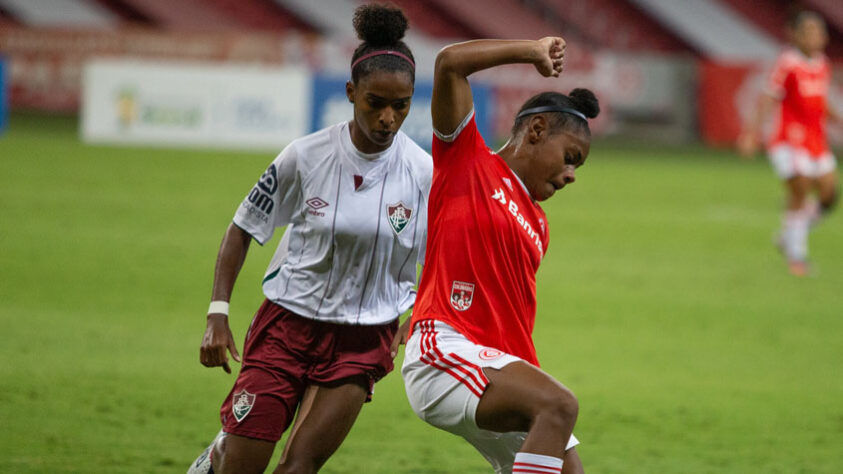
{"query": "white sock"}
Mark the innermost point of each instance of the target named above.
(795, 234)
(536, 464)
(813, 211)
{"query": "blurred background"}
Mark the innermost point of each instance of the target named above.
(132, 130)
(201, 71)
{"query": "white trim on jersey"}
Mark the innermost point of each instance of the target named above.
(453, 135)
(356, 226)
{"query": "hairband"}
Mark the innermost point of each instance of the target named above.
(551, 108)
(383, 52)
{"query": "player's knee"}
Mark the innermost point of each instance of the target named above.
(227, 459)
(560, 407)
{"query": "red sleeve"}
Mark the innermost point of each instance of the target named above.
(776, 80)
(447, 150)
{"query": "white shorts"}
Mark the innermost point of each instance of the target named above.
(444, 380)
(789, 161)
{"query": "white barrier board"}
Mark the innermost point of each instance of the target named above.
(205, 105)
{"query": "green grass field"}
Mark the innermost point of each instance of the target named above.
(662, 304)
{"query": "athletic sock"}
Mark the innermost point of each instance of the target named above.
(526, 463)
(813, 212)
(795, 235)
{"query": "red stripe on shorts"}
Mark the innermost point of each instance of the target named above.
(475, 380)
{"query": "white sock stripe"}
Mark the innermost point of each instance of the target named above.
(527, 470)
(536, 463)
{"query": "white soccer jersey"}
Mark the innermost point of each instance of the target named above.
(356, 226)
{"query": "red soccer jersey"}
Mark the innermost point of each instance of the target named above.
(801, 83)
(485, 240)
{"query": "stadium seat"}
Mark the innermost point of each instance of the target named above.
(715, 30)
(186, 15)
(60, 13)
(502, 19)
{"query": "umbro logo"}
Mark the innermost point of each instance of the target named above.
(316, 203)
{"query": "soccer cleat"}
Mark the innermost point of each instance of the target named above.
(202, 464)
(799, 268)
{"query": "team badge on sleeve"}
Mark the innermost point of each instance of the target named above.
(243, 403)
(462, 294)
(399, 216)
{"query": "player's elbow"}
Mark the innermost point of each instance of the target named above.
(447, 61)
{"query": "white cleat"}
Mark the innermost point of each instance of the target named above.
(202, 464)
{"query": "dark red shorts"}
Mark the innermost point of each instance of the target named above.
(284, 353)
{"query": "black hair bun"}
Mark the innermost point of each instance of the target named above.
(585, 101)
(380, 25)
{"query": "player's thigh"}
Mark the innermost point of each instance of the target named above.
(325, 419)
(235, 454)
(516, 394)
(827, 185)
(797, 189)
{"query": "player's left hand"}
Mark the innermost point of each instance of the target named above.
(551, 58)
(400, 338)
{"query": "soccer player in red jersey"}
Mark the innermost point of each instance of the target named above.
(798, 147)
(470, 365)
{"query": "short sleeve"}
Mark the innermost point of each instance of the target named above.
(775, 85)
(273, 200)
(459, 144)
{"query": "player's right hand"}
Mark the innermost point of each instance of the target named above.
(748, 144)
(217, 342)
(551, 58)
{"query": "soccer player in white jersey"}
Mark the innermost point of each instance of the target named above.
(353, 198)
(798, 147)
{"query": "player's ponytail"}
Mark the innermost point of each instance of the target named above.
(381, 28)
(562, 111)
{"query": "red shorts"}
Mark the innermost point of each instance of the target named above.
(284, 353)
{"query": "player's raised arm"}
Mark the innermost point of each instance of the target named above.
(218, 338)
(452, 100)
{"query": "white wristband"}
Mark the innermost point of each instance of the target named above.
(218, 307)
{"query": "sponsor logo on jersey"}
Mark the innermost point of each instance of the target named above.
(315, 204)
(512, 207)
(508, 183)
(490, 354)
(260, 203)
(462, 294)
(398, 216)
(269, 180)
(243, 403)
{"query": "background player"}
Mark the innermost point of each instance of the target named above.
(470, 366)
(354, 199)
(798, 147)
